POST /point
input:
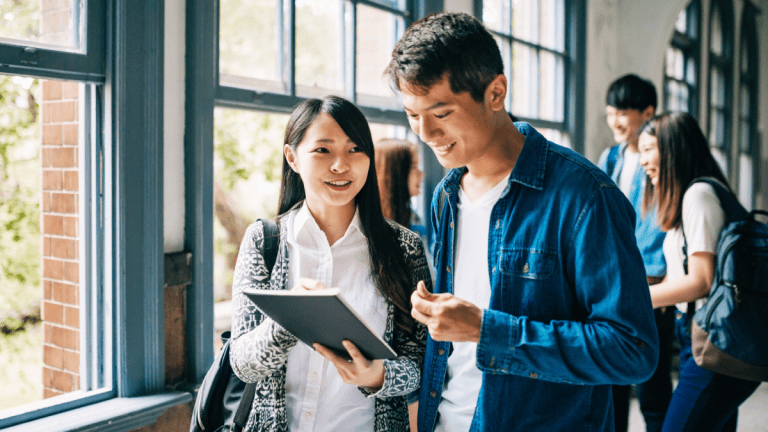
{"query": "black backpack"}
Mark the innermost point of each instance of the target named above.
(729, 334)
(223, 400)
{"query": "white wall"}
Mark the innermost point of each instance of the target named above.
(173, 136)
(629, 36)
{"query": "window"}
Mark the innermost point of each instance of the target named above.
(720, 58)
(681, 63)
(533, 43)
(268, 61)
(52, 255)
(748, 91)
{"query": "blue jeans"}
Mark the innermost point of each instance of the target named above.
(703, 400)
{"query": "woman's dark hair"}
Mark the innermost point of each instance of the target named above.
(683, 156)
(631, 92)
(394, 159)
(389, 272)
(453, 43)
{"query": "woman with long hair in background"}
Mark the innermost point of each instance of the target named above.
(674, 152)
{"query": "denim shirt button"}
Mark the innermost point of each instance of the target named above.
(533, 375)
(440, 351)
(498, 221)
(526, 268)
(433, 393)
(451, 225)
(448, 268)
(493, 270)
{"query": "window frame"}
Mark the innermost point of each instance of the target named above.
(690, 45)
(574, 79)
(31, 59)
(724, 63)
(750, 78)
(131, 270)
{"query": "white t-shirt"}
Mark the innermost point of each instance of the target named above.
(703, 219)
(471, 283)
(316, 397)
(628, 169)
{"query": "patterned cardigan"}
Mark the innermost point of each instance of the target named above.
(259, 347)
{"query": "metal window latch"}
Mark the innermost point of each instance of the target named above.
(29, 56)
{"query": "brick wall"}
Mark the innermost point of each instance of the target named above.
(60, 246)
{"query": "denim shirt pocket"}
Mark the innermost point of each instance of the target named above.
(527, 281)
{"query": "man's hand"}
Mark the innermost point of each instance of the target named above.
(448, 318)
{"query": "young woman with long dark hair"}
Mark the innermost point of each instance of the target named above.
(674, 152)
(332, 233)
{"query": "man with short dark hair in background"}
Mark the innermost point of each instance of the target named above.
(630, 102)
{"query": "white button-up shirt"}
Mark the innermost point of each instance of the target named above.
(316, 397)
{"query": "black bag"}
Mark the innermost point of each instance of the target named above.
(223, 400)
(729, 334)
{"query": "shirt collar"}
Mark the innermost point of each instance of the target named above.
(529, 169)
(304, 219)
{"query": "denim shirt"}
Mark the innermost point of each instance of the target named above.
(570, 311)
(649, 235)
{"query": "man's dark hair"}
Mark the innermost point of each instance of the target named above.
(631, 92)
(455, 44)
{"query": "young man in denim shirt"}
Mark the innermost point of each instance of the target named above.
(541, 301)
(630, 102)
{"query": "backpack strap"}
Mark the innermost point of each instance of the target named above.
(271, 240)
(269, 253)
(734, 211)
(731, 206)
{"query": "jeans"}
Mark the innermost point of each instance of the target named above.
(703, 400)
(654, 394)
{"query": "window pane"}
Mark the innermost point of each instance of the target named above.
(42, 296)
(248, 41)
(690, 71)
(746, 180)
(377, 32)
(717, 128)
(493, 11)
(552, 28)
(524, 81)
(745, 137)
(551, 88)
(56, 24)
(319, 65)
(716, 37)
(717, 92)
(675, 63)
(681, 23)
(556, 136)
(247, 167)
(380, 131)
(672, 102)
(745, 112)
(683, 97)
(525, 19)
(721, 159)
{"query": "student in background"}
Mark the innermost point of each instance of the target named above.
(397, 169)
(540, 301)
(630, 102)
(674, 152)
(332, 233)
